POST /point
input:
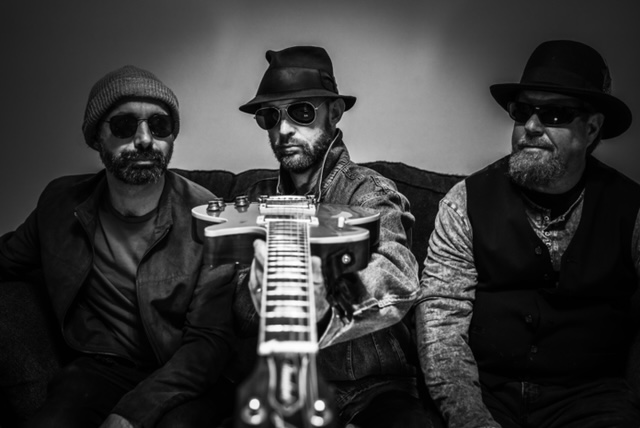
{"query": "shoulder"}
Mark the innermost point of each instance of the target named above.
(456, 197)
(69, 182)
(613, 188)
(367, 187)
(71, 188)
(363, 174)
(453, 207)
(613, 176)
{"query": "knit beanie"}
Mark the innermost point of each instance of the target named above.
(119, 85)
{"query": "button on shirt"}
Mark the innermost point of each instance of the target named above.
(555, 233)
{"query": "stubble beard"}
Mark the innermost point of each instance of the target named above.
(308, 156)
(124, 167)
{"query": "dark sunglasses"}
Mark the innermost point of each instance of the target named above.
(549, 114)
(126, 125)
(300, 112)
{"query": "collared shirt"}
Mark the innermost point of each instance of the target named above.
(555, 233)
(445, 305)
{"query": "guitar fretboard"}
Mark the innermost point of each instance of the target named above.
(288, 308)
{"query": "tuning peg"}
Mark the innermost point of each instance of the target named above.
(242, 201)
(216, 204)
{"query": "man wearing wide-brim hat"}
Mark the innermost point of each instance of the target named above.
(363, 355)
(525, 316)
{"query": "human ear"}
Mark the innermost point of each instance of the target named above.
(336, 109)
(594, 125)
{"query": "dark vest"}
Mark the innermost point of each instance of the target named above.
(531, 323)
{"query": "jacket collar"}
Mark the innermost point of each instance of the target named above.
(96, 187)
(336, 157)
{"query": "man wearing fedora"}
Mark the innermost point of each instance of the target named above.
(524, 315)
(365, 357)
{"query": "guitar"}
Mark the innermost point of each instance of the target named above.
(285, 389)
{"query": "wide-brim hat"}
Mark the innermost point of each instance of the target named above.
(574, 69)
(294, 73)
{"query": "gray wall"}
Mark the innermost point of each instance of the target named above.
(420, 69)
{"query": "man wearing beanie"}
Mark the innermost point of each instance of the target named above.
(147, 326)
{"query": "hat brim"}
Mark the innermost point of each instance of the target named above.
(252, 106)
(617, 115)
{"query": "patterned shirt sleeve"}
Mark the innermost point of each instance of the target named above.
(443, 314)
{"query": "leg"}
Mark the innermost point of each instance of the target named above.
(83, 393)
(598, 404)
(393, 409)
(505, 404)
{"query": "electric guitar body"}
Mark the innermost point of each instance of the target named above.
(285, 390)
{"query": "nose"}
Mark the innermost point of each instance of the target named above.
(143, 137)
(285, 126)
(533, 125)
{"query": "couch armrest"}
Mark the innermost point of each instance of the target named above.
(31, 350)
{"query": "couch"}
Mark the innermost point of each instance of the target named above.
(34, 340)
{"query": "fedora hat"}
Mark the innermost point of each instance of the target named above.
(574, 69)
(297, 72)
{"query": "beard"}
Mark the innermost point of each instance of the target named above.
(536, 169)
(124, 166)
(311, 153)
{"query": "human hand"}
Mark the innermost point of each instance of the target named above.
(256, 277)
(116, 421)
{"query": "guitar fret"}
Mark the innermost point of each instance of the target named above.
(285, 277)
(283, 285)
(280, 328)
(287, 303)
(295, 270)
(287, 313)
(287, 317)
(292, 292)
(283, 347)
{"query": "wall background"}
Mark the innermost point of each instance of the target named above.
(420, 69)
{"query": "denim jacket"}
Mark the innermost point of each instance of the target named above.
(371, 353)
(184, 306)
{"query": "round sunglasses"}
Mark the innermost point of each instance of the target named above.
(548, 114)
(300, 112)
(126, 125)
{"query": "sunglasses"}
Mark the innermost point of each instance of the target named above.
(549, 114)
(300, 112)
(126, 125)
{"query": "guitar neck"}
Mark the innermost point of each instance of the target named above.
(288, 322)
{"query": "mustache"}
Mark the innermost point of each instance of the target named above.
(142, 155)
(540, 142)
(288, 140)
